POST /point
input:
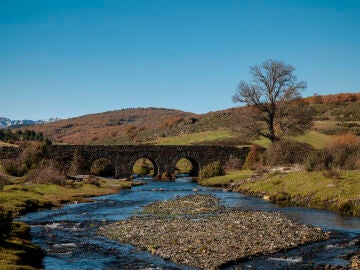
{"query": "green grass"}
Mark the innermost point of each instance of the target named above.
(229, 177)
(314, 138)
(20, 198)
(195, 138)
(262, 141)
(311, 189)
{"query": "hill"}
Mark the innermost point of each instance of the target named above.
(112, 127)
(334, 114)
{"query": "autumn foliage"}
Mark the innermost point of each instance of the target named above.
(346, 139)
(333, 99)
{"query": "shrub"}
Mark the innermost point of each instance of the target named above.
(29, 158)
(344, 151)
(332, 173)
(14, 167)
(78, 164)
(318, 161)
(211, 170)
(46, 173)
(287, 152)
(3, 181)
(5, 223)
(346, 139)
(92, 181)
(255, 158)
(352, 162)
(32, 155)
(339, 154)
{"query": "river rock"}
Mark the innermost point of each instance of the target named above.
(196, 230)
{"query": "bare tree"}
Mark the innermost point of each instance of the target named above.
(273, 104)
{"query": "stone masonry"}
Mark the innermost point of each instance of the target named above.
(123, 157)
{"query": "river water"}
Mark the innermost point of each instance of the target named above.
(68, 234)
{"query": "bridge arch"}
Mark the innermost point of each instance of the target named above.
(148, 158)
(195, 166)
(102, 166)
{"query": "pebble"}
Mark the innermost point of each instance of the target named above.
(196, 230)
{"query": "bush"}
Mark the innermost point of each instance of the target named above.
(344, 156)
(29, 158)
(14, 167)
(92, 181)
(3, 181)
(46, 173)
(346, 139)
(255, 158)
(332, 173)
(285, 152)
(318, 161)
(78, 164)
(341, 153)
(32, 155)
(211, 170)
(5, 223)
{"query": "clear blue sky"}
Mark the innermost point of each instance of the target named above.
(65, 58)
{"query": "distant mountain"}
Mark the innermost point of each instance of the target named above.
(6, 122)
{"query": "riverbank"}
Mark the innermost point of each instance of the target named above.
(196, 230)
(300, 188)
(19, 197)
(17, 251)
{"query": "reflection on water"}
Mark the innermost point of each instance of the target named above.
(68, 234)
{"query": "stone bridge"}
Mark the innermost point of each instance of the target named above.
(123, 157)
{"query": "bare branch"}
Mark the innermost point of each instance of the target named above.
(272, 88)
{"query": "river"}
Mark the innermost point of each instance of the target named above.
(68, 234)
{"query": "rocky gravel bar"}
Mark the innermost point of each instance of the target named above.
(197, 231)
(187, 205)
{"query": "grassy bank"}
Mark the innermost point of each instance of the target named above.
(21, 198)
(225, 180)
(310, 189)
(306, 189)
(17, 251)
